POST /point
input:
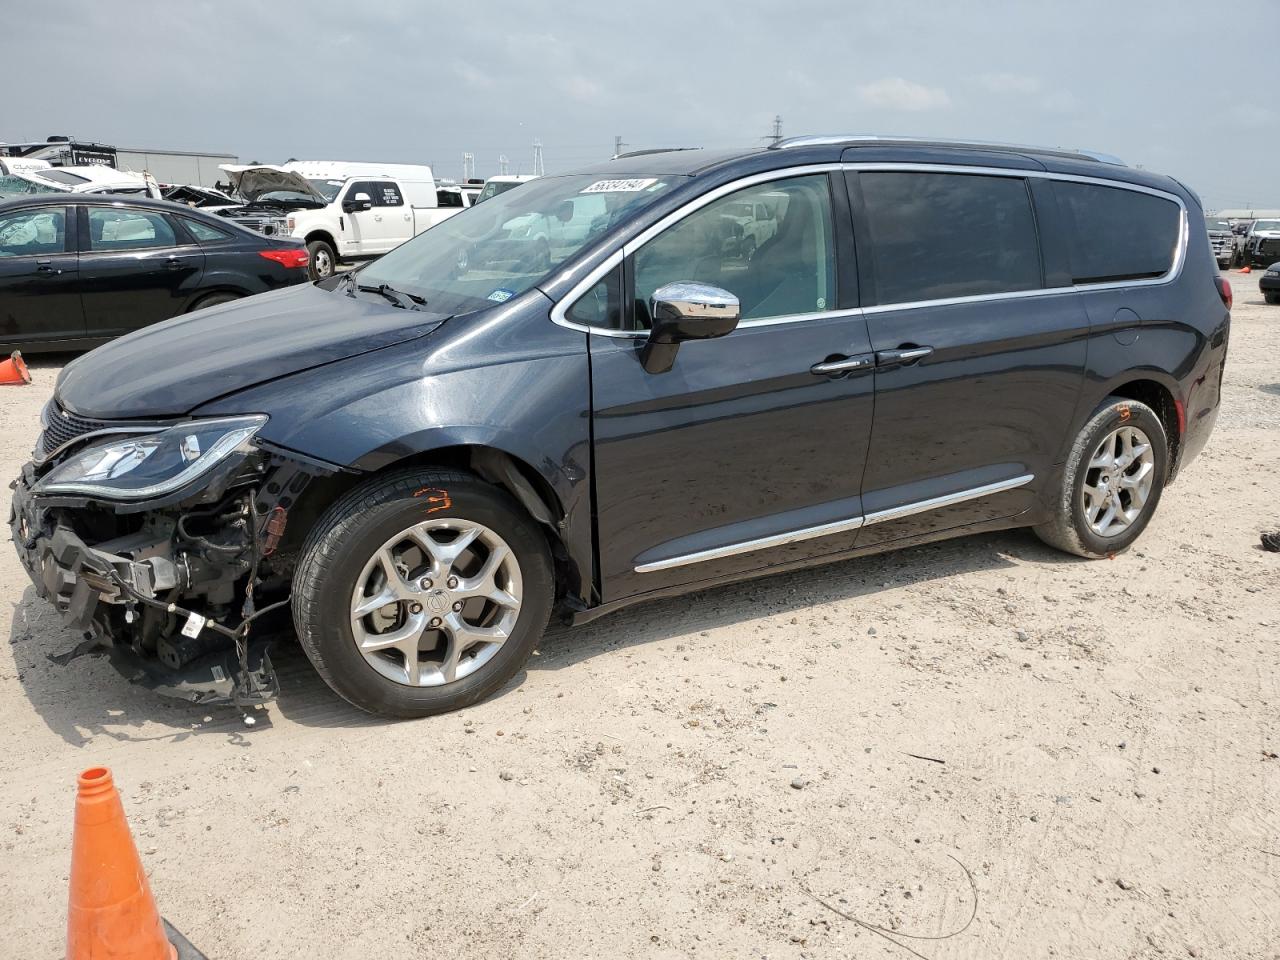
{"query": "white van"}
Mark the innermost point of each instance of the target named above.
(344, 211)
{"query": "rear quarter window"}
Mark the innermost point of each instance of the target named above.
(1118, 234)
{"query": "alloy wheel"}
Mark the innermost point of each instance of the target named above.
(1118, 481)
(436, 602)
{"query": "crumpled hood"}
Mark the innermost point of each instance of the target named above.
(252, 182)
(173, 367)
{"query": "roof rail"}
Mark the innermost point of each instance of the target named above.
(645, 153)
(856, 139)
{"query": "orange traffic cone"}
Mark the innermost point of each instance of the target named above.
(14, 370)
(1246, 269)
(111, 912)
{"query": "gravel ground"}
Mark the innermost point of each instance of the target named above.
(1094, 742)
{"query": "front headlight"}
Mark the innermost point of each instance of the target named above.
(154, 464)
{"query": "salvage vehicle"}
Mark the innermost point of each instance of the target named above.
(95, 178)
(501, 184)
(342, 211)
(423, 459)
(1269, 284)
(77, 270)
(16, 185)
(1262, 244)
(1228, 246)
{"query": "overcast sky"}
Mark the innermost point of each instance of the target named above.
(1156, 83)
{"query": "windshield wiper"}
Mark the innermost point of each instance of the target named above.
(398, 297)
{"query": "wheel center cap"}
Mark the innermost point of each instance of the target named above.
(436, 601)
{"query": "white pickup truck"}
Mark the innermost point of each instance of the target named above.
(344, 211)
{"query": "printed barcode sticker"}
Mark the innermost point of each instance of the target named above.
(620, 186)
(195, 623)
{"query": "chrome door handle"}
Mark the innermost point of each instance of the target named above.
(834, 368)
(377, 217)
(901, 356)
(46, 266)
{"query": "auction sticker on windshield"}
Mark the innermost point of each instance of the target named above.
(620, 186)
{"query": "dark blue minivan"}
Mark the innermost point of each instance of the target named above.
(673, 370)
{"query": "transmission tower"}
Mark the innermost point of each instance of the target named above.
(468, 166)
(618, 145)
(502, 164)
(777, 129)
(538, 169)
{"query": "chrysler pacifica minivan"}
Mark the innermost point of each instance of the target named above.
(594, 390)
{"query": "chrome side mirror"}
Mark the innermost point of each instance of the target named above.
(686, 311)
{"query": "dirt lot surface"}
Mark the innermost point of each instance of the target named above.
(1095, 742)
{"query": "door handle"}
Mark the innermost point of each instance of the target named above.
(377, 217)
(901, 357)
(174, 263)
(46, 266)
(843, 365)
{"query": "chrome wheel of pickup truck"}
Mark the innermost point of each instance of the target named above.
(436, 601)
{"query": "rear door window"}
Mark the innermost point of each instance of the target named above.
(1119, 234)
(385, 193)
(935, 236)
(119, 228)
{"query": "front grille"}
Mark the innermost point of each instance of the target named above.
(62, 426)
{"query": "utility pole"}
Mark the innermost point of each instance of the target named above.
(502, 164)
(618, 145)
(777, 129)
(468, 166)
(538, 169)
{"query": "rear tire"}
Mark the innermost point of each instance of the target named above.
(464, 646)
(1087, 491)
(322, 260)
(213, 299)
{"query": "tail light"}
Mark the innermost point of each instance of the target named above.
(1224, 291)
(287, 257)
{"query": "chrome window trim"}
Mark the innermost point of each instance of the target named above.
(838, 526)
(591, 279)
(1172, 274)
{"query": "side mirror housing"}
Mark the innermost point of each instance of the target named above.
(361, 201)
(686, 311)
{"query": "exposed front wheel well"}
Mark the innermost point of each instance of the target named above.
(512, 474)
(1158, 397)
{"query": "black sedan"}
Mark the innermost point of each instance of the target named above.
(79, 270)
(1269, 283)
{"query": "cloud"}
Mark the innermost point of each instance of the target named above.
(895, 93)
(580, 88)
(1061, 101)
(1251, 115)
(1009, 83)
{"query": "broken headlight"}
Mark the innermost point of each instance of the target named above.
(154, 464)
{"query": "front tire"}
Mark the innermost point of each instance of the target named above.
(1272, 298)
(1111, 483)
(322, 260)
(422, 591)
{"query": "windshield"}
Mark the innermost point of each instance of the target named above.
(1266, 225)
(326, 188)
(492, 252)
(495, 187)
(14, 186)
(1220, 226)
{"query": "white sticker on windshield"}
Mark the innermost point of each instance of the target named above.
(620, 186)
(501, 296)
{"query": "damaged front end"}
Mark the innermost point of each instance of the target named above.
(160, 540)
